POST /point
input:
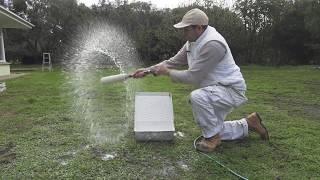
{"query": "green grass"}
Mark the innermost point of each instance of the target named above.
(44, 135)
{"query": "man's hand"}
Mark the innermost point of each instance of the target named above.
(159, 69)
(140, 73)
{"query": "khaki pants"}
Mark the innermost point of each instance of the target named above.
(211, 105)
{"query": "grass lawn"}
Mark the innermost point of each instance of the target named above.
(51, 129)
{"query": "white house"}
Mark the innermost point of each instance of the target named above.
(9, 19)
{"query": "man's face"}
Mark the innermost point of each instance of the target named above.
(191, 33)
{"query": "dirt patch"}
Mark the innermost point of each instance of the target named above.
(7, 154)
(298, 107)
(313, 111)
(65, 159)
(100, 153)
(8, 114)
(70, 155)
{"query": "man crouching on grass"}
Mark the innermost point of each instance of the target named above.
(221, 87)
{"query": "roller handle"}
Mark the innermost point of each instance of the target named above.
(146, 72)
(149, 71)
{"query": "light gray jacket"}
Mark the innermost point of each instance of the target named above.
(209, 61)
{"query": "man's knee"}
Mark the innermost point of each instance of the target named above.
(197, 97)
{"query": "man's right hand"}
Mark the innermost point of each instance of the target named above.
(140, 73)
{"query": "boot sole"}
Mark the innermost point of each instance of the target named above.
(267, 138)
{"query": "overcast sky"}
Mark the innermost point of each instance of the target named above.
(157, 3)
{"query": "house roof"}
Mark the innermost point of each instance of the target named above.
(9, 19)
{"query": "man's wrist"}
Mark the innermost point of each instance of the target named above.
(168, 72)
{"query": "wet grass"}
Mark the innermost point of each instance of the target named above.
(42, 138)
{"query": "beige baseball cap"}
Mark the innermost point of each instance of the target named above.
(193, 17)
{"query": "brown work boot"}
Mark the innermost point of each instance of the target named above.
(255, 124)
(208, 144)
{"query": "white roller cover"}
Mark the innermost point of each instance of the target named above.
(114, 78)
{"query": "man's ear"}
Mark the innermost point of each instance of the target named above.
(199, 28)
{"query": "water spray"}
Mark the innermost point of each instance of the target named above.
(91, 50)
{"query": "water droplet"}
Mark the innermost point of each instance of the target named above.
(107, 157)
(179, 134)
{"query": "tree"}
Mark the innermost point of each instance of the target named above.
(312, 24)
(258, 31)
(289, 37)
(54, 22)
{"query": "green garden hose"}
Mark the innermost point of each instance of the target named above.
(218, 162)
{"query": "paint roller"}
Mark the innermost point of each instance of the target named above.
(120, 77)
